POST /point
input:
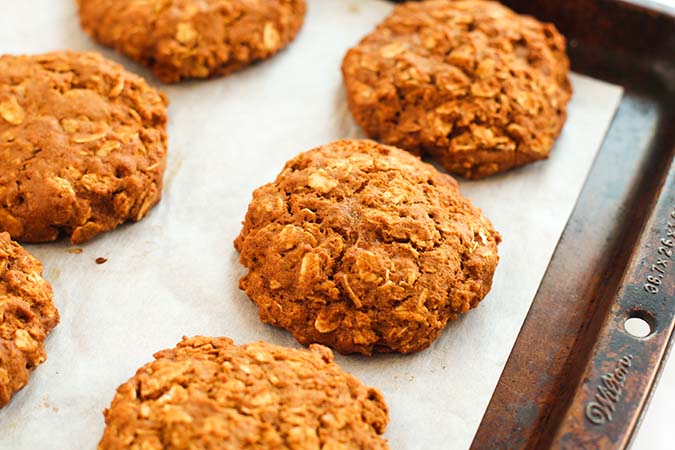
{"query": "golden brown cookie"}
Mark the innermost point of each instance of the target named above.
(363, 247)
(472, 83)
(82, 146)
(180, 39)
(27, 315)
(208, 393)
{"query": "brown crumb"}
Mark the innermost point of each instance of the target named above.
(101, 260)
(75, 250)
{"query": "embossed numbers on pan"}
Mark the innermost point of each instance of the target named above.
(586, 382)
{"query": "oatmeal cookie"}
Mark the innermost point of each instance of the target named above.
(363, 247)
(82, 146)
(27, 315)
(208, 393)
(180, 39)
(472, 83)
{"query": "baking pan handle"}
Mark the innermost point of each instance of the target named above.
(620, 376)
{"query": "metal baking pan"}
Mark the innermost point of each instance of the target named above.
(576, 378)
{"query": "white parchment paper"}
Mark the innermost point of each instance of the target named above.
(175, 273)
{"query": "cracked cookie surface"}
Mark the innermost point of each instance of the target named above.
(208, 393)
(181, 39)
(27, 315)
(82, 146)
(363, 247)
(472, 83)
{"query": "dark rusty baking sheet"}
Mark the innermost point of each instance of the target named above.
(576, 379)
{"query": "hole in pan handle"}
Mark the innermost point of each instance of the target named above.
(639, 324)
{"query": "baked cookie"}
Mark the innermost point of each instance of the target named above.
(208, 393)
(180, 39)
(363, 247)
(82, 146)
(27, 315)
(472, 83)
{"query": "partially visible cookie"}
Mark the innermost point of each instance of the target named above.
(27, 315)
(363, 247)
(472, 83)
(180, 39)
(208, 393)
(82, 146)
